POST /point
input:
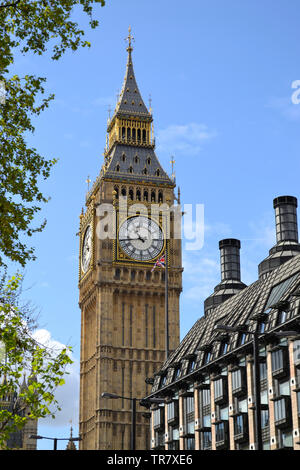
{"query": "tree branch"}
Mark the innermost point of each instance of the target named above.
(14, 4)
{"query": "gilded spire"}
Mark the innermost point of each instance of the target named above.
(129, 38)
(130, 101)
(130, 149)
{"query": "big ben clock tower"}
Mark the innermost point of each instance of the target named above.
(123, 232)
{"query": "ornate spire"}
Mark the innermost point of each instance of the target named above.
(130, 101)
(71, 445)
(129, 39)
(130, 150)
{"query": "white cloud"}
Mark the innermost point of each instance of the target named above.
(286, 107)
(187, 138)
(67, 395)
(201, 274)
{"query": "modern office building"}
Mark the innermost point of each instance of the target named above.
(233, 383)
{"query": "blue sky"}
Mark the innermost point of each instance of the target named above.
(220, 76)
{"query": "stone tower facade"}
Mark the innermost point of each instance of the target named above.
(125, 228)
(20, 439)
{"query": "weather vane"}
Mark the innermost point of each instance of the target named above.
(88, 182)
(173, 163)
(150, 103)
(129, 39)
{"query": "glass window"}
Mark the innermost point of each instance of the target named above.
(280, 409)
(207, 421)
(298, 402)
(264, 418)
(263, 370)
(172, 410)
(261, 327)
(207, 357)
(224, 348)
(220, 432)
(175, 435)
(242, 339)
(189, 405)
(157, 417)
(266, 445)
(287, 439)
(278, 291)
(219, 389)
(284, 388)
(224, 413)
(264, 397)
(177, 373)
(236, 379)
(296, 350)
(239, 424)
(205, 397)
(190, 443)
(243, 406)
(206, 440)
(191, 366)
(277, 360)
(163, 380)
(282, 316)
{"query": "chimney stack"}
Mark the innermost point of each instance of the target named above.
(230, 259)
(286, 218)
(230, 274)
(287, 245)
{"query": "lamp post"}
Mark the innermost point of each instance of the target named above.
(257, 391)
(55, 439)
(114, 396)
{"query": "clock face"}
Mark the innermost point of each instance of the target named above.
(141, 238)
(86, 253)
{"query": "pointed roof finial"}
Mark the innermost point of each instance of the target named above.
(173, 163)
(88, 181)
(129, 38)
(150, 104)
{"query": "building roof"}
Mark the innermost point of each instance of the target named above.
(135, 163)
(130, 100)
(252, 305)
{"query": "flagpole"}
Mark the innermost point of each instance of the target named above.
(167, 300)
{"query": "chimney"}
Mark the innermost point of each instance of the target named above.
(286, 218)
(230, 275)
(230, 259)
(287, 245)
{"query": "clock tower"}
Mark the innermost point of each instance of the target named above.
(125, 228)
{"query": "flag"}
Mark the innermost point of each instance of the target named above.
(160, 262)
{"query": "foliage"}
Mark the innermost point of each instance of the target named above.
(28, 26)
(45, 368)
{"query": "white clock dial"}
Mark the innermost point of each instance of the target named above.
(86, 253)
(141, 238)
